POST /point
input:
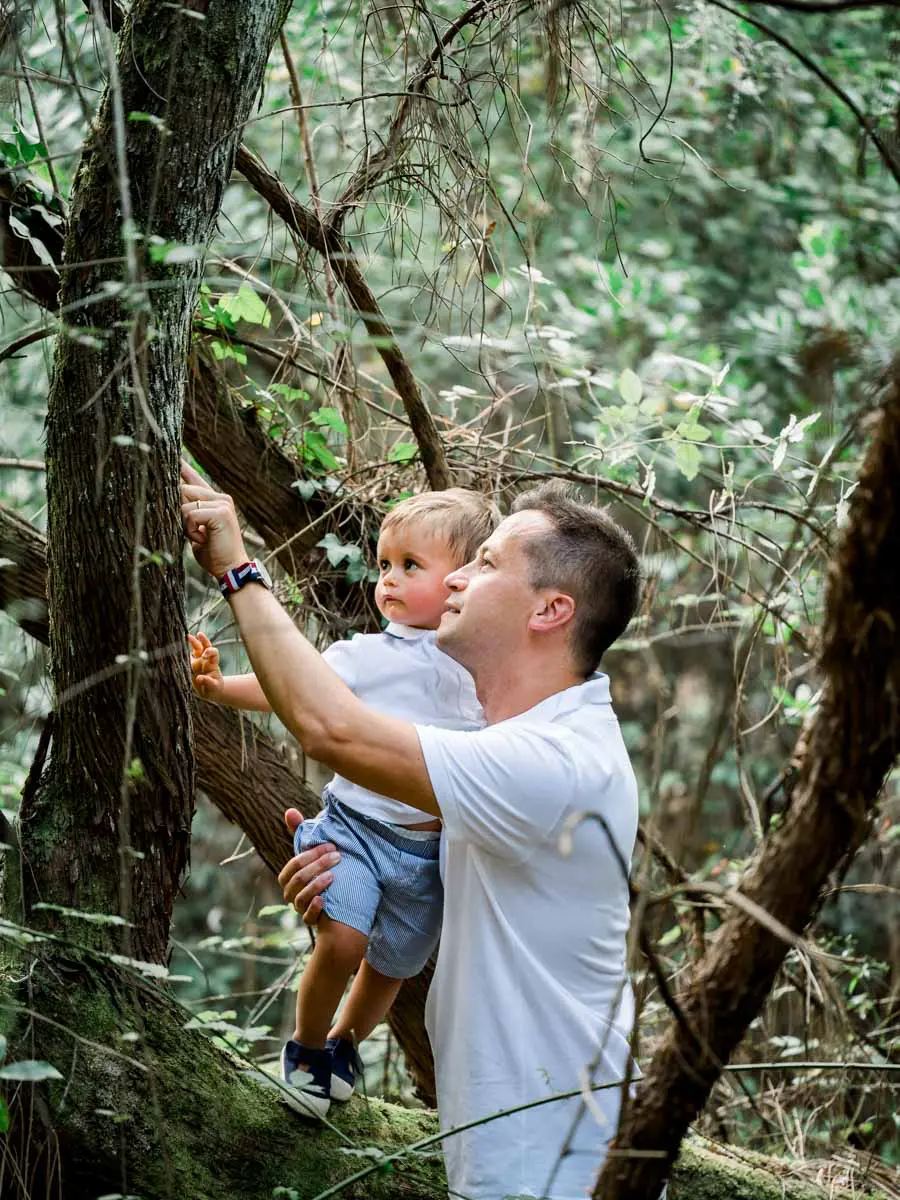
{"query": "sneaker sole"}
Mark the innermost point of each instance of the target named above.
(307, 1103)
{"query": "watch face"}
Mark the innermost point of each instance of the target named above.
(267, 578)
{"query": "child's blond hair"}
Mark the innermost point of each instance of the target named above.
(465, 518)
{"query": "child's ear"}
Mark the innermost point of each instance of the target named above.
(555, 611)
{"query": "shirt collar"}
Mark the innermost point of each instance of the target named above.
(594, 690)
(406, 632)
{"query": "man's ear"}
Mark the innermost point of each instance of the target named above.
(556, 611)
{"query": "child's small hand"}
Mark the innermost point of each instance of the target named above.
(206, 676)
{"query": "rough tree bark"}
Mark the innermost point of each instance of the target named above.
(229, 753)
(108, 828)
(844, 757)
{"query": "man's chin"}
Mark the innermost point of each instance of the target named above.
(445, 634)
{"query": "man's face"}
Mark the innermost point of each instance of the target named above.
(491, 599)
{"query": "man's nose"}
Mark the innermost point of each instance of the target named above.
(457, 580)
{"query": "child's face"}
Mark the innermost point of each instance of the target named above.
(412, 566)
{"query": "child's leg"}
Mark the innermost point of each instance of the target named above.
(367, 1005)
(338, 952)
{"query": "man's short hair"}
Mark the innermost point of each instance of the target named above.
(465, 518)
(589, 557)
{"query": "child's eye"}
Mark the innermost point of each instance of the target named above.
(410, 565)
(383, 565)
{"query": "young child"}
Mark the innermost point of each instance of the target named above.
(382, 912)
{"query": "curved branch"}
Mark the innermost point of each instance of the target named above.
(329, 243)
(372, 170)
(844, 756)
(824, 6)
(884, 151)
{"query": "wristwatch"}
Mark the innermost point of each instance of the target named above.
(249, 572)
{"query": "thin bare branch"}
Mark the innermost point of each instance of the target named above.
(332, 246)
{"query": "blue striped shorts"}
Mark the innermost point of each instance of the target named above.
(387, 885)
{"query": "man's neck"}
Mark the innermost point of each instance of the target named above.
(504, 692)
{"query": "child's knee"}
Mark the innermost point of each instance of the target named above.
(340, 944)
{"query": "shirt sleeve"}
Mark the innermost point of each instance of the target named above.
(343, 658)
(503, 788)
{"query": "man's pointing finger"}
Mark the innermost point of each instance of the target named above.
(189, 475)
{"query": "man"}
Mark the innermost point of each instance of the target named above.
(530, 996)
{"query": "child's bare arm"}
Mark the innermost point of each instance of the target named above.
(235, 691)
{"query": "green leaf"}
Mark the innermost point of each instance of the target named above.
(224, 350)
(687, 459)
(30, 1071)
(271, 910)
(335, 550)
(331, 419)
(4, 1116)
(691, 431)
(630, 387)
(403, 452)
(814, 297)
(306, 487)
(245, 305)
(29, 150)
(149, 118)
(315, 449)
(290, 394)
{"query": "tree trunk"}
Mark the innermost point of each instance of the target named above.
(843, 759)
(106, 829)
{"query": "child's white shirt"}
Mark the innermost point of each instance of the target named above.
(401, 672)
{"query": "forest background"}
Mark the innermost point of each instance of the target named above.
(651, 250)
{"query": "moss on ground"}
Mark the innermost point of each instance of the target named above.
(704, 1172)
(168, 1114)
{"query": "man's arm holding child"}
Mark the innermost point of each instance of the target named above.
(334, 727)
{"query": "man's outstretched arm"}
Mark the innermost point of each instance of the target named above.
(376, 751)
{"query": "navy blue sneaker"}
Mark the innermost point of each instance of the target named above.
(346, 1067)
(308, 1072)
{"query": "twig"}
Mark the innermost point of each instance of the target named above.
(26, 340)
(24, 464)
(347, 401)
(865, 124)
(331, 245)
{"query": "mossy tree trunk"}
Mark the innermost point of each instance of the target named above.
(107, 830)
(163, 1114)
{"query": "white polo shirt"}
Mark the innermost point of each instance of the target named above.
(530, 989)
(402, 673)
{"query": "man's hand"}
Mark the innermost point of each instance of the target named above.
(211, 524)
(306, 875)
(206, 675)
